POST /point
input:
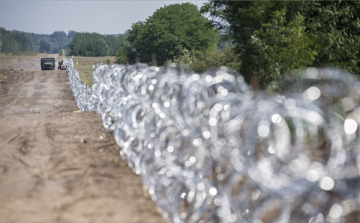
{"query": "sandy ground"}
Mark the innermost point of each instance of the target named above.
(57, 165)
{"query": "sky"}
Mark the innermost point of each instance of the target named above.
(104, 17)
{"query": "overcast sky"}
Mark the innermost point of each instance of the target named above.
(104, 17)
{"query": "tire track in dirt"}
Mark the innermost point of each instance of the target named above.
(57, 165)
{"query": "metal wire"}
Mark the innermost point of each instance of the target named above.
(209, 149)
(82, 93)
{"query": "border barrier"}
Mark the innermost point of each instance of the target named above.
(210, 149)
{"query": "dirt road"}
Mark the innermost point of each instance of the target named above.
(57, 165)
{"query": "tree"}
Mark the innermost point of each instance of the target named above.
(45, 46)
(25, 45)
(17, 41)
(280, 46)
(71, 34)
(275, 37)
(270, 37)
(55, 36)
(59, 40)
(115, 42)
(9, 44)
(169, 31)
(88, 44)
(60, 43)
(98, 47)
(335, 29)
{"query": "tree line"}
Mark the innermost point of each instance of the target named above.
(263, 40)
(95, 44)
(76, 43)
(272, 37)
(17, 41)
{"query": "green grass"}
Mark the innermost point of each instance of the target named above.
(84, 66)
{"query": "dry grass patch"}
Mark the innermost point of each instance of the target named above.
(85, 64)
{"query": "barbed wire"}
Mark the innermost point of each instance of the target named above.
(82, 93)
(209, 149)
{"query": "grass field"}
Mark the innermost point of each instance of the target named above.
(85, 64)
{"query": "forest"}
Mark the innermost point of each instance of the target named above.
(75, 43)
(262, 40)
(271, 38)
(17, 41)
(95, 45)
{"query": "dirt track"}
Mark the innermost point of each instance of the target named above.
(57, 165)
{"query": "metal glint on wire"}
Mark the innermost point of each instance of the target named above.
(209, 149)
(82, 93)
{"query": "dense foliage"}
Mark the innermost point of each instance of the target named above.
(168, 32)
(17, 41)
(272, 38)
(94, 44)
(84, 44)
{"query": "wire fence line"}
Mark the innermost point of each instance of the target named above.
(209, 149)
(82, 93)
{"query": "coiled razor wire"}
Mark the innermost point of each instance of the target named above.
(82, 93)
(209, 149)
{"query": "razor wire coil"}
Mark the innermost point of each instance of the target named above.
(210, 149)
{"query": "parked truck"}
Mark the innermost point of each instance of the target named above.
(47, 63)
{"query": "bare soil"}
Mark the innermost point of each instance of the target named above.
(56, 164)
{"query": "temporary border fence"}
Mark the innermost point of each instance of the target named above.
(82, 93)
(209, 149)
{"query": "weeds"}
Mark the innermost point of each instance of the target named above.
(84, 66)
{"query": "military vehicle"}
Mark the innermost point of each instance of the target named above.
(47, 63)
